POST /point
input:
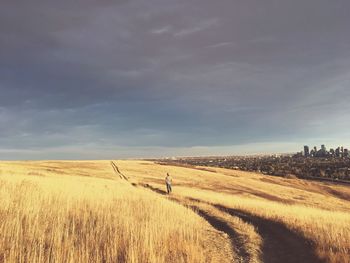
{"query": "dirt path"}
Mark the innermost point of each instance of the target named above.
(241, 255)
(117, 171)
(279, 243)
(215, 222)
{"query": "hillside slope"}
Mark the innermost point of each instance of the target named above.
(294, 220)
(118, 211)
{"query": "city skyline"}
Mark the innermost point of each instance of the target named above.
(338, 151)
(122, 79)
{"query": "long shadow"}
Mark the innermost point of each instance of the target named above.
(280, 244)
(154, 189)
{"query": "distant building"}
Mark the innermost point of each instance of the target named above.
(337, 152)
(312, 153)
(306, 151)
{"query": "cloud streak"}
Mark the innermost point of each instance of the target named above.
(170, 76)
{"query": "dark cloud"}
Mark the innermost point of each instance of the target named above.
(170, 74)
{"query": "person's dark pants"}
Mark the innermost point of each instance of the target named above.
(168, 188)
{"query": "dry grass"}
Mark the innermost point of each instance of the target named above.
(317, 211)
(79, 212)
(83, 212)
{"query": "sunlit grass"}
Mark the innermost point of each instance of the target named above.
(55, 218)
(83, 212)
(318, 215)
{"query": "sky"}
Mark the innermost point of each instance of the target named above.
(102, 79)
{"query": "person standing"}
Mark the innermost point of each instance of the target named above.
(168, 182)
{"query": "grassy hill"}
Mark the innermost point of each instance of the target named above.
(102, 211)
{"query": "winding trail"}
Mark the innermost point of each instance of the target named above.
(214, 221)
(280, 244)
(217, 222)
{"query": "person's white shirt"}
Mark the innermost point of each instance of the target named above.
(168, 179)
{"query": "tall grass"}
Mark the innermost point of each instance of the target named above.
(81, 212)
(76, 219)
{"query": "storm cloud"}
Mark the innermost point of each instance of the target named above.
(132, 78)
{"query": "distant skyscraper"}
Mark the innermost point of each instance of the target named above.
(306, 151)
(337, 152)
(323, 148)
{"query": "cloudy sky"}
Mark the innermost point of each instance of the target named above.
(89, 79)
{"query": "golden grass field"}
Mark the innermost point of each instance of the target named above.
(84, 211)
